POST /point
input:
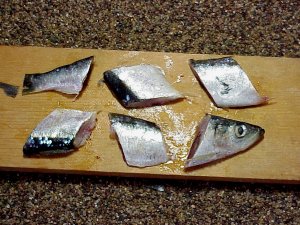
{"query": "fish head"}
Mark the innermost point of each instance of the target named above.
(219, 137)
(232, 134)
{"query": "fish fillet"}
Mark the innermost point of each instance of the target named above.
(226, 82)
(67, 79)
(140, 86)
(141, 141)
(61, 131)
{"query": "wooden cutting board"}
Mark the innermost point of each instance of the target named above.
(275, 159)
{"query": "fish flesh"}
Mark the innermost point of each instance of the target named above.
(141, 141)
(218, 137)
(226, 82)
(140, 86)
(67, 79)
(9, 90)
(62, 131)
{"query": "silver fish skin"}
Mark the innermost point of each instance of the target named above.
(67, 79)
(218, 138)
(141, 141)
(226, 82)
(140, 86)
(62, 131)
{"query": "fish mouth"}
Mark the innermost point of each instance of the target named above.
(261, 132)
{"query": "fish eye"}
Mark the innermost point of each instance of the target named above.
(240, 130)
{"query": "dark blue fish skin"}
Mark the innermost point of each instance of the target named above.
(228, 61)
(119, 89)
(47, 146)
(131, 121)
(9, 90)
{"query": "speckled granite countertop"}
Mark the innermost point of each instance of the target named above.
(267, 28)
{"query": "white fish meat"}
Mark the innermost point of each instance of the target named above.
(218, 137)
(141, 141)
(67, 79)
(61, 131)
(226, 82)
(140, 86)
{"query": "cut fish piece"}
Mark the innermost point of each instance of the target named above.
(140, 86)
(226, 82)
(9, 90)
(218, 137)
(61, 131)
(141, 141)
(67, 79)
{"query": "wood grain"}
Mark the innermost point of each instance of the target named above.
(275, 159)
